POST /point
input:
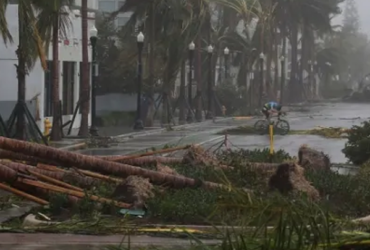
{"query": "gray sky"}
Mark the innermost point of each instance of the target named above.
(363, 7)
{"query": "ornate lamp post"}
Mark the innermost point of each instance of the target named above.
(262, 59)
(209, 114)
(226, 53)
(94, 74)
(189, 118)
(140, 43)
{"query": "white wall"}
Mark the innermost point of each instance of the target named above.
(35, 79)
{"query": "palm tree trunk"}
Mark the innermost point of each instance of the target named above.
(67, 158)
(150, 114)
(55, 132)
(182, 100)
(294, 65)
(85, 86)
(21, 75)
(198, 109)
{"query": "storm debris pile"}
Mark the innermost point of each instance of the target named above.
(36, 172)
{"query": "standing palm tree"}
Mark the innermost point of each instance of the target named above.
(85, 86)
(53, 21)
(30, 47)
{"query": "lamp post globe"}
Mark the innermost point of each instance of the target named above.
(210, 49)
(226, 51)
(191, 46)
(93, 31)
(140, 37)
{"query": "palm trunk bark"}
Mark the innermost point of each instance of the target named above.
(85, 86)
(198, 98)
(149, 120)
(21, 75)
(294, 95)
(66, 158)
(56, 129)
(182, 100)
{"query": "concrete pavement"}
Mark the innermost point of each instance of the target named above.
(40, 241)
(187, 135)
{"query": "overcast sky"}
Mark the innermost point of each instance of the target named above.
(363, 7)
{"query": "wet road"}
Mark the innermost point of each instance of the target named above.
(308, 117)
(300, 118)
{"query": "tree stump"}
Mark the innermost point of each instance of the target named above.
(289, 178)
(310, 158)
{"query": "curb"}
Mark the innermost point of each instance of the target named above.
(158, 131)
(76, 146)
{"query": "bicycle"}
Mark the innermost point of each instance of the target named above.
(281, 127)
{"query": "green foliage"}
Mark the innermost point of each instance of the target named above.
(183, 206)
(256, 155)
(343, 195)
(357, 148)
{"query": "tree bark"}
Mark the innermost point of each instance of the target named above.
(21, 75)
(149, 120)
(198, 97)
(56, 129)
(182, 100)
(66, 158)
(85, 86)
(294, 95)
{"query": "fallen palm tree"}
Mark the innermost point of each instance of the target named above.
(81, 172)
(23, 194)
(63, 176)
(143, 160)
(135, 156)
(13, 177)
(95, 164)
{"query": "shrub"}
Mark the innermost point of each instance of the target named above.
(357, 148)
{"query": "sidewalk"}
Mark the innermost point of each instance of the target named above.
(40, 241)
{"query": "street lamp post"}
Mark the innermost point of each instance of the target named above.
(209, 114)
(94, 72)
(189, 118)
(262, 58)
(282, 81)
(226, 53)
(140, 43)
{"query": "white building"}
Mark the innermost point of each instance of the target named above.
(38, 82)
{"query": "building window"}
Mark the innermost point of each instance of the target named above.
(48, 90)
(107, 6)
(122, 21)
(68, 87)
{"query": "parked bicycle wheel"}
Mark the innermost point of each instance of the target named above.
(282, 127)
(261, 126)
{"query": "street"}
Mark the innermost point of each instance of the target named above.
(300, 118)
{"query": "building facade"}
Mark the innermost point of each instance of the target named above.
(38, 81)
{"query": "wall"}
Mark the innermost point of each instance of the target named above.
(69, 50)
